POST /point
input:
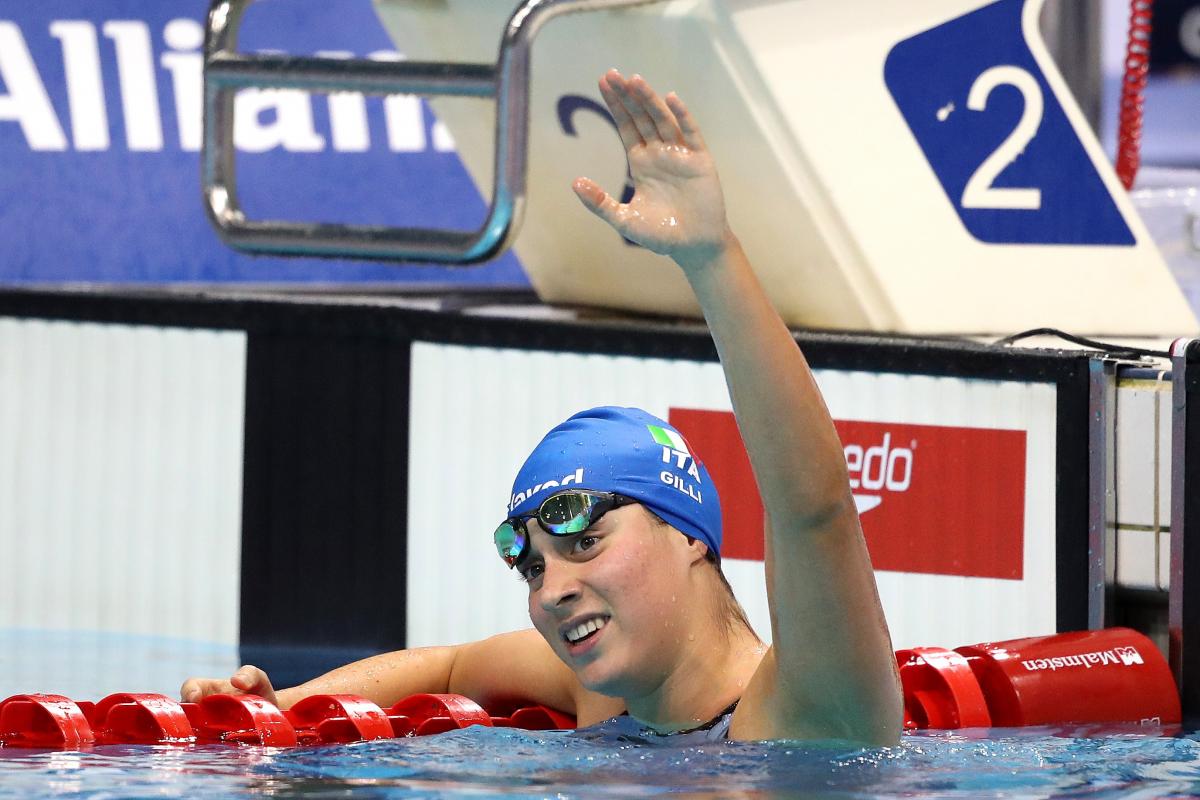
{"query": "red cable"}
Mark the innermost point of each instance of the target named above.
(1133, 87)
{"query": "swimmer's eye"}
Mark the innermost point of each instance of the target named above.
(530, 572)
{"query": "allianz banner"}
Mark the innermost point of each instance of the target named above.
(100, 130)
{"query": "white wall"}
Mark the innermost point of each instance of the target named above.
(120, 479)
(1143, 476)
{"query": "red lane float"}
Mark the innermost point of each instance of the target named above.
(240, 719)
(540, 718)
(138, 719)
(339, 718)
(427, 714)
(940, 691)
(1110, 676)
(43, 720)
(54, 722)
(1115, 675)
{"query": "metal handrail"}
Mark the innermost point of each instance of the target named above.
(507, 81)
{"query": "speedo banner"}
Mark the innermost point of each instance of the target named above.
(939, 500)
(953, 479)
(100, 126)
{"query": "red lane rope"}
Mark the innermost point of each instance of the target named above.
(1085, 678)
(1133, 88)
(53, 721)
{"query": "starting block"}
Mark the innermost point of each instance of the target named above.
(914, 167)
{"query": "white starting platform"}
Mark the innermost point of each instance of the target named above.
(906, 167)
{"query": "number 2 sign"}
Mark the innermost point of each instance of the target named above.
(996, 136)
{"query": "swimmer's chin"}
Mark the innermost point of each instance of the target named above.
(608, 685)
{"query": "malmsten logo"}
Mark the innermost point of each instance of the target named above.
(942, 500)
(1125, 656)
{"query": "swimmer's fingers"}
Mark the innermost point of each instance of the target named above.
(196, 689)
(632, 106)
(625, 127)
(247, 680)
(252, 680)
(688, 128)
(600, 203)
(658, 111)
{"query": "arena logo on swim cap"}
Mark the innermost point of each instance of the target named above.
(575, 477)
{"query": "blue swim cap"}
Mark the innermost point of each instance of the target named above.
(628, 452)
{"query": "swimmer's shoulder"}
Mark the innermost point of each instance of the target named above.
(753, 719)
(764, 713)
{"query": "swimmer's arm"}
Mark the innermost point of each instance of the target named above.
(831, 671)
(382, 679)
(521, 667)
(510, 667)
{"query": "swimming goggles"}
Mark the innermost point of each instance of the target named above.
(561, 514)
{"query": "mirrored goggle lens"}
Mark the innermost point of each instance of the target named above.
(568, 513)
(510, 542)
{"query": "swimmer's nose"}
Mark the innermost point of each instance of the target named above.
(560, 586)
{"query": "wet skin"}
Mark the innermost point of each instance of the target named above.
(635, 574)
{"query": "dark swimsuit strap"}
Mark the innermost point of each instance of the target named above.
(712, 723)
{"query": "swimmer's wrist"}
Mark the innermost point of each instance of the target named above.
(285, 699)
(699, 260)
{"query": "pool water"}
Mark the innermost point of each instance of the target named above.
(608, 761)
(613, 761)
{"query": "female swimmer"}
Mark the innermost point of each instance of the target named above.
(630, 609)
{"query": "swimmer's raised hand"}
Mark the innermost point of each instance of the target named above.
(678, 209)
(830, 672)
(247, 680)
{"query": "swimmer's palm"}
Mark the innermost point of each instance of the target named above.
(677, 207)
(677, 202)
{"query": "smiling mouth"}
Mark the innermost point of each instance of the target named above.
(584, 630)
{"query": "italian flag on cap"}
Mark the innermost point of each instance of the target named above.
(668, 438)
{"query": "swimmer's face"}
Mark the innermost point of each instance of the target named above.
(612, 600)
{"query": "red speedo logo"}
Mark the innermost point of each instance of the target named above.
(878, 468)
(932, 499)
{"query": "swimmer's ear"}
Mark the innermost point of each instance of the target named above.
(699, 547)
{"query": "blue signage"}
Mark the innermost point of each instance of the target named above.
(100, 124)
(996, 136)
